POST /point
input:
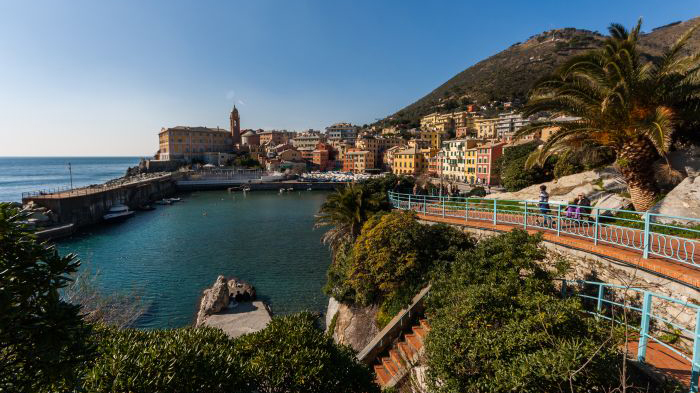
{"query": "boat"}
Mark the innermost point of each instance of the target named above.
(246, 188)
(117, 213)
(164, 202)
(290, 189)
(308, 189)
(282, 190)
(173, 200)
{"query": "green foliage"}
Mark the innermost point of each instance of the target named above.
(292, 355)
(394, 255)
(567, 165)
(174, 360)
(498, 326)
(477, 191)
(514, 175)
(42, 338)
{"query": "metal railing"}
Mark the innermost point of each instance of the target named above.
(648, 233)
(604, 298)
(66, 192)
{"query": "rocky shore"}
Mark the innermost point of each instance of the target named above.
(231, 305)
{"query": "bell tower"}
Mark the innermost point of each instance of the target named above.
(235, 126)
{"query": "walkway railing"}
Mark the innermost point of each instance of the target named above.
(603, 298)
(648, 233)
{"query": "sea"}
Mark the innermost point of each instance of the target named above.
(168, 256)
(26, 174)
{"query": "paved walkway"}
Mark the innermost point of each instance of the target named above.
(658, 357)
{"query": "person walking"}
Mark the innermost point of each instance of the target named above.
(584, 207)
(544, 205)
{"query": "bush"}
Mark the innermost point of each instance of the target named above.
(513, 174)
(174, 360)
(498, 326)
(43, 339)
(394, 254)
(293, 355)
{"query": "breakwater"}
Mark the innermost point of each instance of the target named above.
(86, 206)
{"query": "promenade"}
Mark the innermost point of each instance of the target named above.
(647, 242)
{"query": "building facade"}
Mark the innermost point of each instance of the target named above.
(486, 155)
(409, 161)
(486, 128)
(509, 123)
(342, 131)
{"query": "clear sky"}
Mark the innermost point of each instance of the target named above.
(87, 77)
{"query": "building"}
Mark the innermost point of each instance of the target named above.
(486, 128)
(409, 161)
(470, 165)
(235, 120)
(509, 123)
(452, 165)
(342, 131)
(547, 132)
(272, 138)
(434, 138)
(388, 159)
(486, 155)
(307, 141)
(378, 145)
(321, 156)
(249, 137)
(289, 155)
(358, 161)
(188, 143)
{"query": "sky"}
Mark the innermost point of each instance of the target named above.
(100, 78)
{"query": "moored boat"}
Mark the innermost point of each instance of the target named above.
(117, 213)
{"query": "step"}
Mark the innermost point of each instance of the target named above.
(390, 366)
(424, 324)
(420, 332)
(396, 358)
(383, 376)
(414, 341)
(407, 351)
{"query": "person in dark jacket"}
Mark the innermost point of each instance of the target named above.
(585, 207)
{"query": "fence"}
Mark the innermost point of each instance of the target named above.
(604, 300)
(67, 192)
(648, 233)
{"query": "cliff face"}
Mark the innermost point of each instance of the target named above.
(352, 325)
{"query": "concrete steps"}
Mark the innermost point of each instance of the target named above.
(393, 367)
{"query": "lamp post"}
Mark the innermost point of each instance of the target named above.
(70, 171)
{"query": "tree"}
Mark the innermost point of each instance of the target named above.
(624, 105)
(293, 355)
(395, 253)
(43, 339)
(499, 326)
(514, 175)
(346, 210)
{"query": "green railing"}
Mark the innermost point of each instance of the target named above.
(647, 233)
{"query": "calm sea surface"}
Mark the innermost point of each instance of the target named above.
(171, 254)
(22, 174)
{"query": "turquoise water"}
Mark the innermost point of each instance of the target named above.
(23, 174)
(171, 254)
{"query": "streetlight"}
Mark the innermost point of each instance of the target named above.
(70, 170)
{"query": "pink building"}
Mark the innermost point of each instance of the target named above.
(486, 155)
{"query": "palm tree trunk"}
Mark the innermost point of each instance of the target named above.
(635, 161)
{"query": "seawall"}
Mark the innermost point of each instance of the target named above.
(86, 206)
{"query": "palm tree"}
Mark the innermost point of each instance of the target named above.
(624, 105)
(346, 210)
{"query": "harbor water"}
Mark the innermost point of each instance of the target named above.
(169, 255)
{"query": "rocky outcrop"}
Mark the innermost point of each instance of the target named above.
(597, 185)
(218, 297)
(682, 201)
(354, 326)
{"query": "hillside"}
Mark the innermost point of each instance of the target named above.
(509, 74)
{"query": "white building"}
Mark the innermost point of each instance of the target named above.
(509, 123)
(342, 131)
(452, 157)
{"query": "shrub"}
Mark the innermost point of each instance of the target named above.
(293, 355)
(43, 339)
(498, 326)
(394, 251)
(513, 174)
(174, 360)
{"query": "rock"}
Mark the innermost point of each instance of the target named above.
(214, 300)
(595, 184)
(244, 318)
(682, 201)
(611, 201)
(687, 161)
(241, 291)
(40, 216)
(331, 310)
(355, 326)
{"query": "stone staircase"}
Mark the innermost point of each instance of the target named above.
(392, 368)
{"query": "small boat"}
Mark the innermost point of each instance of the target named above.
(290, 189)
(246, 189)
(164, 202)
(282, 190)
(117, 213)
(173, 200)
(308, 189)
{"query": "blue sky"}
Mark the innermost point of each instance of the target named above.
(86, 77)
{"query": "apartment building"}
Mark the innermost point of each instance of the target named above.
(358, 161)
(409, 161)
(486, 128)
(187, 143)
(486, 155)
(509, 123)
(342, 131)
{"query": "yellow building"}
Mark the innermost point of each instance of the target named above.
(470, 165)
(486, 128)
(410, 161)
(358, 161)
(434, 137)
(192, 142)
(378, 145)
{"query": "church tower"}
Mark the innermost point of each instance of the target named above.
(235, 126)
